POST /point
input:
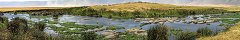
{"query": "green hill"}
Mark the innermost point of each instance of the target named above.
(140, 6)
(143, 9)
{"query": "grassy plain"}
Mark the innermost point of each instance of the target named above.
(26, 8)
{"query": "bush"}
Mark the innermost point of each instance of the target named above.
(158, 33)
(17, 29)
(3, 20)
(89, 36)
(18, 25)
(40, 26)
(204, 32)
(186, 36)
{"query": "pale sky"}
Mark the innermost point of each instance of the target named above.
(20, 0)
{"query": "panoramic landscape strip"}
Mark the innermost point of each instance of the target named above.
(123, 21)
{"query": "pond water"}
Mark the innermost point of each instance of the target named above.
(126, 23)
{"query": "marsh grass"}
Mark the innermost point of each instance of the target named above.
(114, 28)
(205, 32)
(186, 36)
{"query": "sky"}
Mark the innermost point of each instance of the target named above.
(69, 3)
(20, 0)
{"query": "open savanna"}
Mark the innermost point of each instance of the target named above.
(5, 9)
(141, 6)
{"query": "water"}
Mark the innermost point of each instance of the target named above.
(126, 23)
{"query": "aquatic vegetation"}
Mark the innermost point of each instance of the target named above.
(114, 28)
(186, 36)
(228, 21)
(158, 33)
(204, 32)
(85, 27)
(39, 16)
(70, 28)
(52, 22)
(176, 31)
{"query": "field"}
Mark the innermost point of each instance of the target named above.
(26, 8)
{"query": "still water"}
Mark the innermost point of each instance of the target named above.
(126, 23)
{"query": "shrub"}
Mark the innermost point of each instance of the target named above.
(40, 26)
(89, 36)
(3, 20)
(158, 33)
(186, 36)
(204, 32)
(18, 25)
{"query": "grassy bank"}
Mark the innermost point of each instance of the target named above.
(142, 10)
(132, 10)
(232, 34)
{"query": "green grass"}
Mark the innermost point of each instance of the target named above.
(129, 36)
(114, 28)
(186, 36)
(142, 10)
(78, 28)
(52, 22)
(205, 32)
(39, 16)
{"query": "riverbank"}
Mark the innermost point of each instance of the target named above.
(232, 33)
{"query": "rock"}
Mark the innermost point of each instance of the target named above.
(136, 20)
(137, 31)
(109, 34)
(160, 22)
(209, 21)
(171, 21)
(201, 22)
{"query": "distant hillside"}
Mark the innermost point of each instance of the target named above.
(27, 8)
(143, 10)
(140, 6)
